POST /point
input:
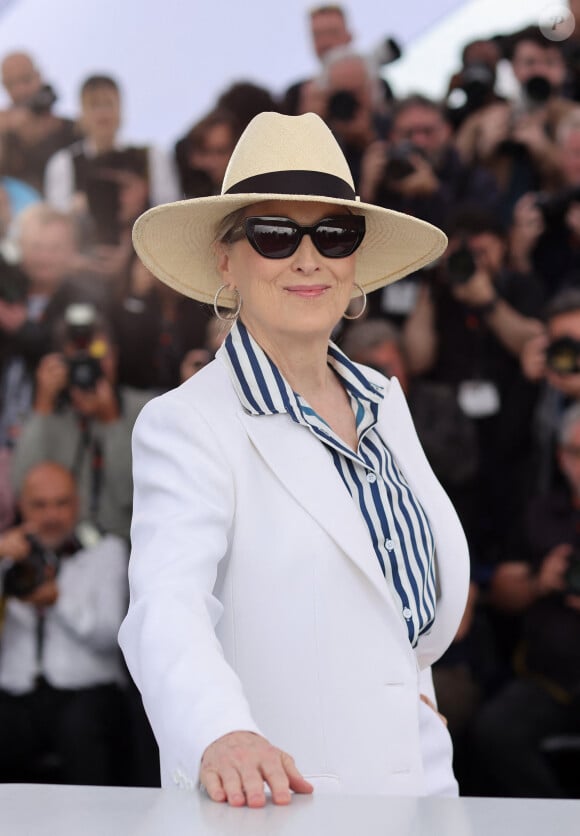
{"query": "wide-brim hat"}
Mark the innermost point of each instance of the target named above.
(278, 157)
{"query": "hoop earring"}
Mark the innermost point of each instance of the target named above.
(233, 316)
(364, 304)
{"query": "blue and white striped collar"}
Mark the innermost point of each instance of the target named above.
(262, 389)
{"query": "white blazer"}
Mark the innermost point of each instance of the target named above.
(257, 601)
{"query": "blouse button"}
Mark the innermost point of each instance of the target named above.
(371, 477)
(389, 545)
(407, 614)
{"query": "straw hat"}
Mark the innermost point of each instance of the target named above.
(279, 158)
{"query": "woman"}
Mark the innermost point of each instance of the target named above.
(155, 328)
(203, 154)
(286, 594)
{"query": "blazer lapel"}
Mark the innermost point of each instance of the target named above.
(305, 467)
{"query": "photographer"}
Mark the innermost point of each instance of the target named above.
(515, 140)
(32, 132)
(203, 154)
(553, 359)
(539, 584)
(60, 670)
(418, 170)
(546, 225)
(473, 87)
(105, 183)
(33, 296)
(83, 420)
(355, 105)
(471, 320)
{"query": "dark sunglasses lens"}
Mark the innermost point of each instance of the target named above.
(340, 237)
(273, 239)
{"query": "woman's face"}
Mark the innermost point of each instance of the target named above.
(299, 297)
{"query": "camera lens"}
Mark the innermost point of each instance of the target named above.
(84, 372)
(343, 105)
(563, 356)
(460, 266)
(538, 89)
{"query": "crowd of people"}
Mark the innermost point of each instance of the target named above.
(485, 343)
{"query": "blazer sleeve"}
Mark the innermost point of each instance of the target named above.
(182, 519)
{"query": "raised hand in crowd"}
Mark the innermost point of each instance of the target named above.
(479, 137)
(16, 546)
(533, 357)
(421, 182)
(100, 403)
(372, 167)
(526, 228)
(14, 543)
(51, 380)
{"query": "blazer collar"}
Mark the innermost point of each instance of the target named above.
(305, 468)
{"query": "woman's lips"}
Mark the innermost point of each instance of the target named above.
(308, 291)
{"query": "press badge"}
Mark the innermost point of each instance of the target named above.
(478, 398)
(400, 297)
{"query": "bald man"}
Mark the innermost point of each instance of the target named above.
(60, 670)
(20, 77)
(32, 133)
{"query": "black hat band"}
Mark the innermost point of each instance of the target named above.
(316, 183)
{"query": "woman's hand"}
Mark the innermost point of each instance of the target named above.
(235, 766)
(424, 698)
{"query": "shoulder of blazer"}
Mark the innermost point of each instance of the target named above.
(209, 393)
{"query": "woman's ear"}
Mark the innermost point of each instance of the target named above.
(222, 255)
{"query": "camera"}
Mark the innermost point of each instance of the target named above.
(42, 101)
(572, 574)
(563, 356)
(84, 365)
(473, 89)
(386, 51)
(554, 206)
(343, 106)
(460, 266)
(84, 371)
(537, 90)
(26, 575)
(399, 165)
(535, 93)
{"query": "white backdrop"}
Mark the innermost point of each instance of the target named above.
(173, 57)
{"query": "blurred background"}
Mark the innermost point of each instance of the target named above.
(175, 57)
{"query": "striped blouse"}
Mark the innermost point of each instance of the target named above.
(398, 526)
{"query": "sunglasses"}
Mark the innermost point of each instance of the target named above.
(280, 237)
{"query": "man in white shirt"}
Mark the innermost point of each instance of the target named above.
(101, 120)
(60, 669)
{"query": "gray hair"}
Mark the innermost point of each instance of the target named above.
(346, 53)
(227, 224)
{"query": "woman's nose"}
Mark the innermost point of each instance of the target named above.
(306, 259)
